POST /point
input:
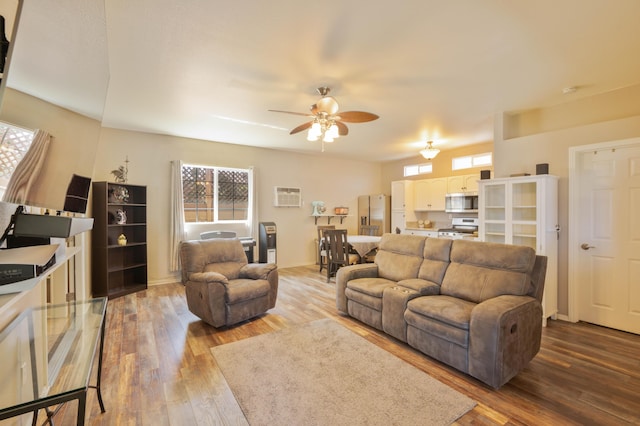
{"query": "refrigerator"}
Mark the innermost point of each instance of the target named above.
(374, 210)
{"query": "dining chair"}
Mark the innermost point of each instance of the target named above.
(369, 229)
(323, 249)
(339, 251)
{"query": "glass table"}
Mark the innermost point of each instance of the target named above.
(47, 357)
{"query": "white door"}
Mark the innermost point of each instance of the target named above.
(608, 235)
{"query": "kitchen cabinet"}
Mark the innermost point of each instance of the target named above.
(524, 211)
(431, 233)
(429, 194)
(462, 183)
(402, 204)
(402, 195)
(119, 239)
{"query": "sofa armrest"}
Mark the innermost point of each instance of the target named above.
(263, 271)
(504, 335)
(348, 273)
(257, 271)
(208, 277)
(205, 293)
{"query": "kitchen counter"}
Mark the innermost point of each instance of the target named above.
(427, 232)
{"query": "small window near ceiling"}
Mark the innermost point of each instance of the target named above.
(470, 161)
(215, 194)
(418, 169)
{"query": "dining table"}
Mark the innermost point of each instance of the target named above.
(363, 244)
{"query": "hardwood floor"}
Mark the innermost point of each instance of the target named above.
(158, 369)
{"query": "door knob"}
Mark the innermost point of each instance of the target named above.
(585, 246)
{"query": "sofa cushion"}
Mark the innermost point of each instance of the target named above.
(225, 256)
(246, 289)
(399, 256)
(368, 291)
(480, 271)
(441, 316)
(446, 309)
(436, 259)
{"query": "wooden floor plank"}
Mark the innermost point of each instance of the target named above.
(158, 368)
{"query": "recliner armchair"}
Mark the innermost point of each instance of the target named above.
(221, 287)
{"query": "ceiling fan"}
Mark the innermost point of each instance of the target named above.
(326, 122)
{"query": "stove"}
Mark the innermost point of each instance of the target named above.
(461, 227)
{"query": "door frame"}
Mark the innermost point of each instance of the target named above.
(573, 237)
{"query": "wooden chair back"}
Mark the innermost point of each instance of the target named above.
(323, 249)
(336, 241)
(369, 229)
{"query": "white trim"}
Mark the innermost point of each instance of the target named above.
(574, 212)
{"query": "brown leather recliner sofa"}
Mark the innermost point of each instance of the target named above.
(221, 286)
(475, 306)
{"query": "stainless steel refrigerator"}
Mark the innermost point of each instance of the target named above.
(374, 210)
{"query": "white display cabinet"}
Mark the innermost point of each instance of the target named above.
(524, 211)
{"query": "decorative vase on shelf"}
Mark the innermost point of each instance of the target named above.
(121, 217)
(318, 208)
(122, 240)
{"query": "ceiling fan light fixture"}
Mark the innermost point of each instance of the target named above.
(314, 131)
(429, 152)
(333, 131)
(325, 122)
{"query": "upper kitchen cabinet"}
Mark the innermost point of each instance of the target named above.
(430, 194)
(462, 183)
(402, 195)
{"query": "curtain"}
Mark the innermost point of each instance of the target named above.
(177, 215)
(27, 170)
(253, 222)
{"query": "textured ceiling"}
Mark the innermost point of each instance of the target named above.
(431, 69)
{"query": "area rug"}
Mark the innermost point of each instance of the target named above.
(321, 373)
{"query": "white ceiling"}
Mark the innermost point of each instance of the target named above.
(431, 69)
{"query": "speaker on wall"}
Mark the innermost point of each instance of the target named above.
(485, 174)
(542, 169)
(77, 194)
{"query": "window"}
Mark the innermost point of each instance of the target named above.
(14, 144)
(418, 169)
(216, 194)
(469, 161)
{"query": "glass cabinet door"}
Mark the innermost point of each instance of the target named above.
(494, 211)
(524, 213)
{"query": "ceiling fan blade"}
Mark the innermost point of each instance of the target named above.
(343, 130)
(306, 114)
(357, 116)
(301, 127)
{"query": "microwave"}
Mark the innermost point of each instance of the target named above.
(462, 202)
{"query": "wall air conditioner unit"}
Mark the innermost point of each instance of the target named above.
(287, 197)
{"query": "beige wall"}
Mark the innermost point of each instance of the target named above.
(335, 181)
(612, 116)
(581, 122)
(393, 170)
(72, 148)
